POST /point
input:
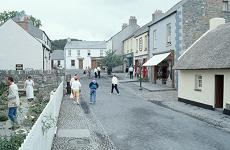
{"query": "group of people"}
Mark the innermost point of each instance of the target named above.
(96, 71)
(93, 86)
(14, 101)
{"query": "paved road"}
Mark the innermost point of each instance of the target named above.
(133, 123)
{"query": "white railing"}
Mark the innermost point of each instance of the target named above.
(42, 133)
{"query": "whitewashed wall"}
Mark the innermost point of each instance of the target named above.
(36, 139)
(19, 47)
(84, 55)
(186, 86)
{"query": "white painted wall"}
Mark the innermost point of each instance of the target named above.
(83, 55)
(161, 35)
(186, 86)
(19, 47)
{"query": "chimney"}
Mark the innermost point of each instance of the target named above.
(68, 40)
(23, 21)
(215, 22)
(124, 26)
(157, 14)
(132, 20)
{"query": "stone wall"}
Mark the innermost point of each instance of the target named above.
(196, 16)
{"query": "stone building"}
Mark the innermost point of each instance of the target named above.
(172, 32)
(127, 30)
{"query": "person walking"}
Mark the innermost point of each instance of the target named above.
(76, 85)
(29, 86)
(95, 72)
(131, 72)
(13, 103)
(99, 72)
(114, 85)
(93, 86)
(89, 72)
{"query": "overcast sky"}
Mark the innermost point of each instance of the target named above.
(87, 19)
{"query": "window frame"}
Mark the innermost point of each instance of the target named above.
(73, 63)
(168, 34)
(78, 52)
(226, 5)
(154, 39)
(198, 82)
(101, 52)
(88, 52)
(69, 53)
(140, 44)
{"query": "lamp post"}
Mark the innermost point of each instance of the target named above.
(140, 76)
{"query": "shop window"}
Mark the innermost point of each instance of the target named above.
(198, 82)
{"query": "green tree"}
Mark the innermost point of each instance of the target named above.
(111, 60)
(60, 44)
(6, 15)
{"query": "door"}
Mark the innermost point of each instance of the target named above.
(219, 91)
(93, 64)
(80, 64)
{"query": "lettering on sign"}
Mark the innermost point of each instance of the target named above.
(19, 66)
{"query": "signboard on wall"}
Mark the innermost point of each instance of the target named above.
(19, 66)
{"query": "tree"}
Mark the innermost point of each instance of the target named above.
(60, 44)
(6, 15)
(111, 60)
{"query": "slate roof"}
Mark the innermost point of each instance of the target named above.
(86, 45)
(142, 30)
(212, 51)
(57, 55)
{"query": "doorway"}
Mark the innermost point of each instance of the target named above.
(219, 91)
(80, 64)
(93, 64)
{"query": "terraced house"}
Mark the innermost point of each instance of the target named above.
(172, 32)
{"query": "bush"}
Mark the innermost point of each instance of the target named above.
(3, 116)
(13, 143)
(3, 107)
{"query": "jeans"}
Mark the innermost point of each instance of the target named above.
(93, 96)
(114, 86)
(12, 114)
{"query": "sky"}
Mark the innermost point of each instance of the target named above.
(87, 19)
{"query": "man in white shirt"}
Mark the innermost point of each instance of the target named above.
(99, 72)
(131, 72)
(114, 85)
(13, 102)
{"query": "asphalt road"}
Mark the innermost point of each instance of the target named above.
(133, 123)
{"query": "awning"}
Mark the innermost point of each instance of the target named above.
(156, 59)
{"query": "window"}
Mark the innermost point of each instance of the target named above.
(140, 44)
(146, 42)
(128, 45)
(89, 52)
(131, 44)
(136, 45)
(78, 52)
(69, 52)
(198, 82)
(101, 52)
(72, 63)
(169, 42)
(225, 5)
(59, 62)
(154, 38)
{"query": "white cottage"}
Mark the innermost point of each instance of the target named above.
(26, 47)
(204, 70)
(82, 54)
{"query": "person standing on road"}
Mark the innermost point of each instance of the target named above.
(76, 85)
(29, 86)
(93, 86)
(13, 103)
(99, 72)
(131, 72)
(95, 72)
(114, 85)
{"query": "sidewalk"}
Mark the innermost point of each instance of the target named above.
(168, 99)
(79, 129)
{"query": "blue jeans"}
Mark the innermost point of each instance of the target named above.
(93, 96)
(12, 113)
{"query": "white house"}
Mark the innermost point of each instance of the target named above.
(82, 54)
(204, 70)
(57, 59)
(28, 47)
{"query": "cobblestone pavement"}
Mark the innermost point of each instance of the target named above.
(74, 117)
(133, 122)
